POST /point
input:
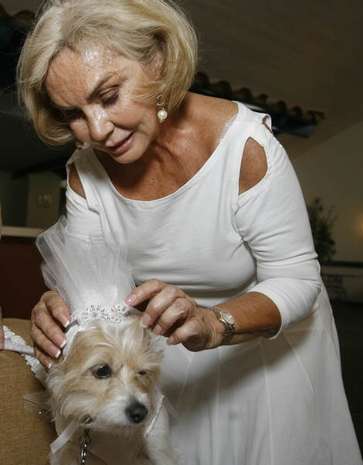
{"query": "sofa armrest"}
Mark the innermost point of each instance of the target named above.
(24, 435)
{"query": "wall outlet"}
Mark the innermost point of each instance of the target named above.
(44, 200)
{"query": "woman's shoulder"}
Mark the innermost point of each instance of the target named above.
(209, 117)
(218, 108)
(218, 113)
(213, 112)
(79, 167)
(74, 181)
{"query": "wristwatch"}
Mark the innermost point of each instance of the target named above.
(227, 321)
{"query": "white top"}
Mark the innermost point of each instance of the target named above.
(264, 402)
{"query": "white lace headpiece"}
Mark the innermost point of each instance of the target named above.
(91, 276)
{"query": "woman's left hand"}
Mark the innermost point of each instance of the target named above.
(172, 313)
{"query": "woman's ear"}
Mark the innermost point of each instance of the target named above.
(156, 65)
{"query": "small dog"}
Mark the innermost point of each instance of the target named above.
(107, 388)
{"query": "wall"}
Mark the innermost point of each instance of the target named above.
(31, 200)
(21, 283)
(43, 199)
(13, 199)
(13, 6)
(333, 171)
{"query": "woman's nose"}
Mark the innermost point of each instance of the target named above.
(99, 125)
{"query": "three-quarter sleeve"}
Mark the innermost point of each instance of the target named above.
(272, 220)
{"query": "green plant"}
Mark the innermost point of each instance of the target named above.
(322, 223)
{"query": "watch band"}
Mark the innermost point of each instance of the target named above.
(227, 320)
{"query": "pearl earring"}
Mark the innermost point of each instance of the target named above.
(162, 114)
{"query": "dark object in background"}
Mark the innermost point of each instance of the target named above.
(322, 222)
(13, 30)
(293, 120)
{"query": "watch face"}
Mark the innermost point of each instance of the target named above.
(228, 318)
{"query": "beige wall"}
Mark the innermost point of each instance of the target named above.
(13, 195)
(43, 199)
(31, 200)
(13, 6)
(333, 171)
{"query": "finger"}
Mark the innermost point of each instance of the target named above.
(48, 325)
(190, 335)
(174, 316)
(160, 303)
(45, 343)
(46, 361)
(57, 308)
(144, 292)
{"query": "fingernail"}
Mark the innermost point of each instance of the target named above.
(66, 323)
(57, 355)
(61, 342)
(158, 330)
(146, 321)
(49, 366)
(130, 300)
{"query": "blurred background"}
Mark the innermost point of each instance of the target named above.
(299, 61)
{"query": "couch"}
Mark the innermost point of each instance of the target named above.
(24, 434)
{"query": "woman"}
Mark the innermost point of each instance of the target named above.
(207, 204)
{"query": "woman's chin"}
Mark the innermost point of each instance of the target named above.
(136, 148)
(121, 156)
(126, 158)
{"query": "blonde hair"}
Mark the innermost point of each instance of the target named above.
(138, 29)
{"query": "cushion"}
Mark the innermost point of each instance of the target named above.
(24, 434)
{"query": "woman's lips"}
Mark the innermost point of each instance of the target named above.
(122, 146)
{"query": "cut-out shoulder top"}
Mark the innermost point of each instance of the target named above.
(206, 237)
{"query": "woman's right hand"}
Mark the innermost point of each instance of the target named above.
(49, 318)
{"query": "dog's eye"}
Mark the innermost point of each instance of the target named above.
(142, 372)
(102, 371)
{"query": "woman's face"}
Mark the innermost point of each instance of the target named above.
(94, 90)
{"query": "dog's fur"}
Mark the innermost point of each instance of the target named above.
(108, 384)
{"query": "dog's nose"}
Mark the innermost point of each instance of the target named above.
(136, 412)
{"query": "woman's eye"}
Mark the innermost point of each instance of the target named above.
(109, 99)
(102, 371)
(71, 115)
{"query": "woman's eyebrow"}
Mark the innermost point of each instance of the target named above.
(93, 94)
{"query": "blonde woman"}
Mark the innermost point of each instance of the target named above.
(206, 203)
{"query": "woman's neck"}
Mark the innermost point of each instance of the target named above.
(185, 142)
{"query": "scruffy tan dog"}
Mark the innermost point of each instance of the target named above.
(105, 394)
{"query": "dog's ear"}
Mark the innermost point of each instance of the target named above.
(55, 383)
(156, 344)
(152, 342)
(147, 334)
